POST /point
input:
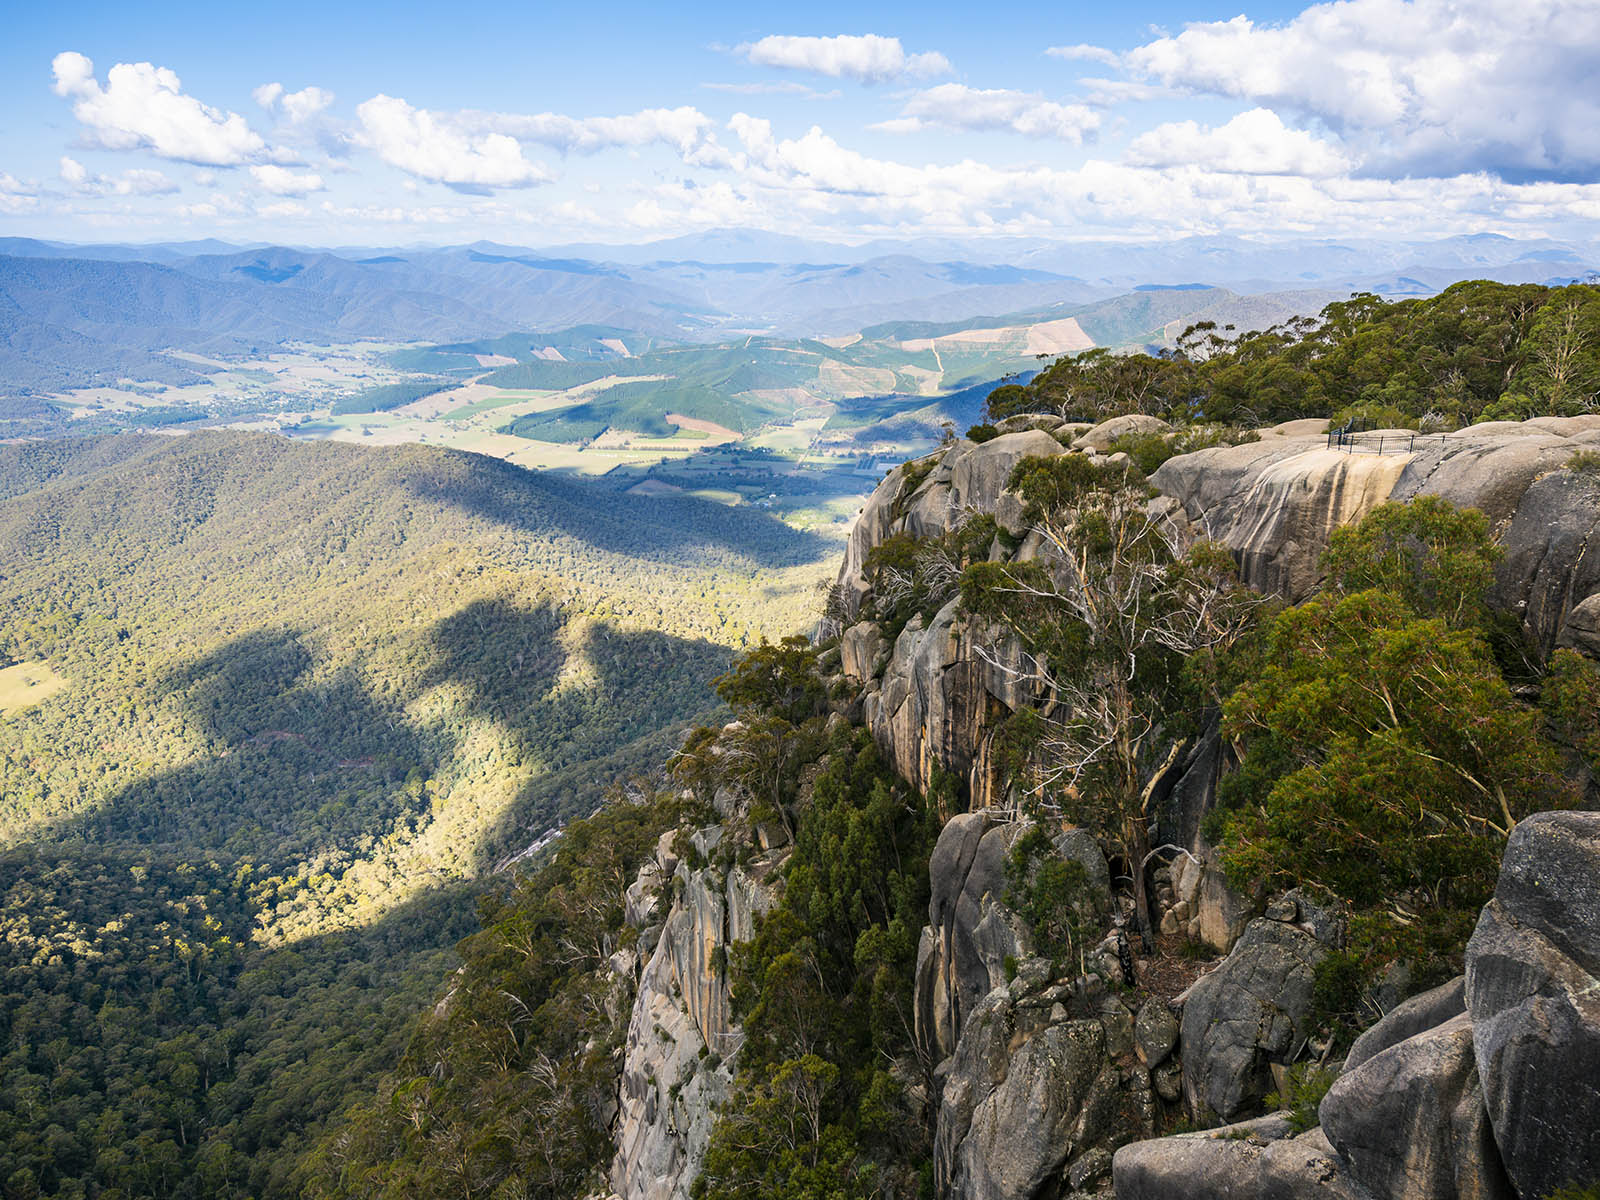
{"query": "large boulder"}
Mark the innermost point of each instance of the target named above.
(859, 648)
(1547, 576)
(1533, 990)
(1038, 1092)
(1253, 1010)
(1419, 1014)
(978, 478)
(1101, 436)
(1253, 1160)
(1409, 1121)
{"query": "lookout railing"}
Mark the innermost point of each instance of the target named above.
(1359, 437)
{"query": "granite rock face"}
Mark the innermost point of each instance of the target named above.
(1486, 1088)
(971, 932)
(681, 1046)
(1533, 989)
(1274, 502)
(1252, 1011)
(1410, 1121)
(1253, 1160)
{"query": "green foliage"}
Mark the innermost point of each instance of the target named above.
(824, 990)
(391, 395)
(315, 693)
(1305, 1086)
(1048, 893)
(778, 680)
(982, 433)
(1477, 351)
(911, 575)
(504, 1085)
(1386, 759)
(1570, 698)
(1150, 450)
(1435, 557)
(1585, 462)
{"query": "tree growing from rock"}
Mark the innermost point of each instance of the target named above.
(1113, 618)
(1383, 757)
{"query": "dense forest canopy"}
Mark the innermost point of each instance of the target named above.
(312, 695)
(1478, 351)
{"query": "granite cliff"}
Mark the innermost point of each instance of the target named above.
(1050, 1074)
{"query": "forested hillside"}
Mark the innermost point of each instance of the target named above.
(311, 695)
(1477, 351)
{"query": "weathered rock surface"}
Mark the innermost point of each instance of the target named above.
(1254, 1160)
(1033, 1092)
(971, 932)
(1533, 989)
(679, 1053)
(1275, 501)
(1410, 1121)
(1250, 1012)
(1417, 1015)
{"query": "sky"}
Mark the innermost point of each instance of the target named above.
(533, 124)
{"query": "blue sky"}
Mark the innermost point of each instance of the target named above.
(405, 123)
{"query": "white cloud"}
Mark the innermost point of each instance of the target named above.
(144, 107)
(686, 129)
(17, 196)
(868, 58)
(1084, 52)
(1253, 143)
(1416, 87)
(283, 208)
(775, 87)
(135, 182)
(281, 181)
(956, 106)
(433, 146)
(296, 106)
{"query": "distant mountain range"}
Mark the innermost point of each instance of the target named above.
(74, 316)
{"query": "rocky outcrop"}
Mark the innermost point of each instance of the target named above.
(934, 699)
(679, 1054)
(1274, 502)
(1254, 1010)
(1410, 1121)
(1253, 1160)
(1533, 991)
(1041, 1070)
(1034, 1091)
(971, 932)
(1487, 1088)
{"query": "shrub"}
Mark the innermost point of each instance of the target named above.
(1303, 1091)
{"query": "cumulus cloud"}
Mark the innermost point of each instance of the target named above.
(142, 106)
(1253, 143)
(136, 182)
(868, 58)
(297, 107)
(433, 146)
(281, 181)
(1416, 87)
(956, 106)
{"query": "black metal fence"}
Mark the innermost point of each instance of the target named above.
(1359, 437)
